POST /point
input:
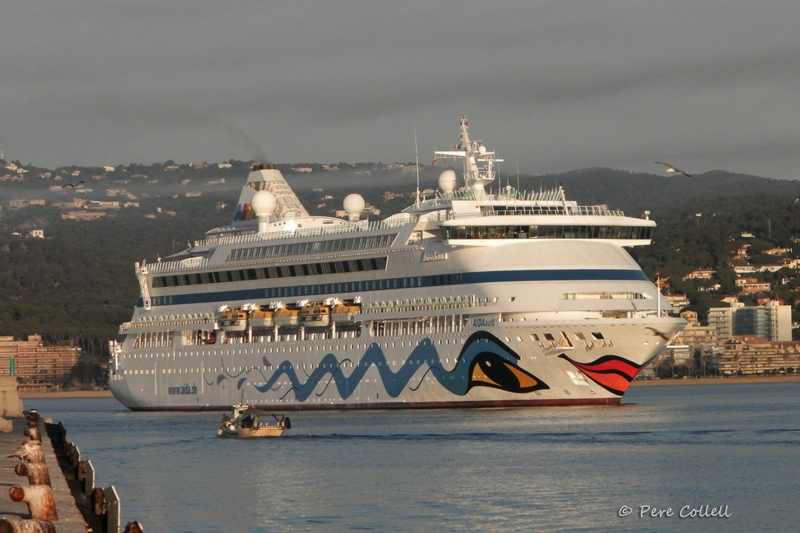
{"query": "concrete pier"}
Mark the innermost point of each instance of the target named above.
(70, 519)
(45, 486)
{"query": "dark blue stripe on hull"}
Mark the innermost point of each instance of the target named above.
(389, 284)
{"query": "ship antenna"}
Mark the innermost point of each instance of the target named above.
(658, 296)
(416, 153)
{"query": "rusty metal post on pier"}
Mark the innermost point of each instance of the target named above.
(60, 494)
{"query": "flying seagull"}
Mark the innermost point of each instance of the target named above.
(73, 185)
(670, 168)
(658, 333)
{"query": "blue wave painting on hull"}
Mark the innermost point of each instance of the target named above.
(484, 361)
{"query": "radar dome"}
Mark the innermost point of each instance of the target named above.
(263, 203)
(354, 205)
(447, 181)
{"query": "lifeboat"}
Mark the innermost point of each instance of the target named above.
(261, 318)
(315, 315)
(287, 317)
(345, 312)
(233, 320)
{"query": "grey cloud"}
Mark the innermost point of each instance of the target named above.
(552, 85)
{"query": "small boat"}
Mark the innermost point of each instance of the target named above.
(287, 317)
(233, 320)
(315, 315)
(261, 318)
(345, 312)
(245, 424)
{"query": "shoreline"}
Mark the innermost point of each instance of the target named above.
(24, 395)
(794, 378)
(728, 380)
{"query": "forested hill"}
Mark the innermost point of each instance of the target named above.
(78, 282)
(670, 197)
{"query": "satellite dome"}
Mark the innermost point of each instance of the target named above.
(263, 203)
(447, 181)
(354, 205)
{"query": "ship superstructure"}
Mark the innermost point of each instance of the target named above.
(469, 299)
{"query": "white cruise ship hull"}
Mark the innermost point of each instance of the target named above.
(522, 324)
(486, 366)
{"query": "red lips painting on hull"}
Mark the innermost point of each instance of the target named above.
(611, 372)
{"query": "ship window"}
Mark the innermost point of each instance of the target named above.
(549, 337)
(597, 336)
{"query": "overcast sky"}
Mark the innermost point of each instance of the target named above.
(551, 85)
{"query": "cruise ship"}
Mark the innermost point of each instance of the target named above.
(481, 296)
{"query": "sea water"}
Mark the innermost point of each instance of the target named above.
(671, 458)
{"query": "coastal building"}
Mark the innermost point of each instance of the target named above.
(703, 273)
(752, 285)
(750, 354)
(677, 301)
(694, 343)
(37, 365)
(83, 215)
(701, 338)
(772, 321)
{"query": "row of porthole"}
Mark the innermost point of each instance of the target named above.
(298, 349)
(250, 369)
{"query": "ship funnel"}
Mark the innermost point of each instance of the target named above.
(267, 178)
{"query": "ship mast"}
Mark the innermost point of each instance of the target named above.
(476, 177)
